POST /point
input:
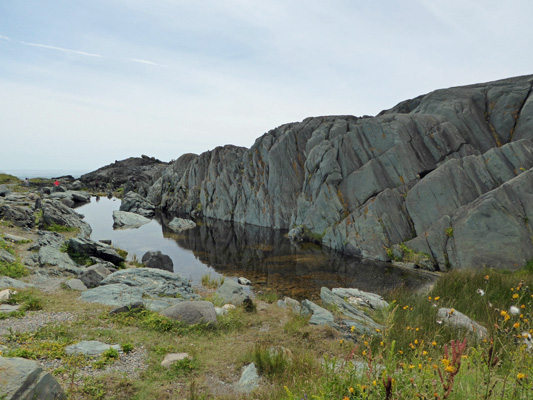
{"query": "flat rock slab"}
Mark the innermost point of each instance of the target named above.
(249, 380)
(127, 220)
(75, 284)
(6, 282)
(91, 348)
(15, 239)
(7, 308)
(50, 255)
(361, 298)
(22, 379)
(319, 315)
(115, 295)
(153, 282)
(458, 320)
(7, 257)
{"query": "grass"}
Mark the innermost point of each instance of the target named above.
(211, 283)
(6, 178)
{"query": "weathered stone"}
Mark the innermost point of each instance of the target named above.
(153, 282)
(97, 249)
(7, 257)
(115, 295)
(330, 298)
(156, 259)
(75, 284)
(6, 294)
(319, 315)
(15, 238)
(458, 320)
(8, 308)
(133, 306)
(24, 380)
(249, 380)
(192, 312)
(231, 292)
(244, 281)
(91, 348)
(6, 282)
(73, 196)
(51, 256)
(135, 203)
(46, 238)
(161, 303)
(56, 213)
(128, 220)
(22, 217)
(172, 358)
(92, 276)
(180, 224)
(361, 298)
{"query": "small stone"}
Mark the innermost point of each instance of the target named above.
(171, 358)
(244, 281)
(6, 294)
(75, 284)
(249, 380)
(91, 348)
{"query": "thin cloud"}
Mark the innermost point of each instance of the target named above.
(81, 53)
(138, 60)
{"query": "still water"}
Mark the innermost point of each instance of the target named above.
(265, 256)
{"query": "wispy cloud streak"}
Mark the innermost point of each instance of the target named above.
(78, 52)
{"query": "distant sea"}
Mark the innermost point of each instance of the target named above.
(43, 173)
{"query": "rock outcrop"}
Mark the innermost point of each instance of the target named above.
(448, 173)
(134, 174)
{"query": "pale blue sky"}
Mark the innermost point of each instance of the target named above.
(85, 83)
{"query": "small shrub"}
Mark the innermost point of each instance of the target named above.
(182, 367)
(60, 228)
(13, 270)
(449, 232)
(127, 347)
(212, 283)
(109, 356)
(269, 361)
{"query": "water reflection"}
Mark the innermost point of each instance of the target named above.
(265, 256)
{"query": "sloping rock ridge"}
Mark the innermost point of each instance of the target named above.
(448, 173)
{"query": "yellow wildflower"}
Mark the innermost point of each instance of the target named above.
(351, 389)
(520, 376)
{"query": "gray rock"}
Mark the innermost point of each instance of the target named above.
(293, 304)
(347, 309)
(128, 220)
(15, 238)
(22, 217)
(180, 224)
(73, 196)
(139, 305)
(249, 380)
(51, 256)
(91, 348)
(8, 308)
(231, 292)
(75, 284)
(92, 276)
(46, 238)
(6, 282)
(160, 304)
(4, 191)
(361, 298)
(115, 295)
(24, 380)
(319, 315)
(156, 259)
(172, 358)
(458, 320)
(192, 312)
(135, 203)
(55, 212)
(244, 281)
(153, 282)
(96, 249)
(7, 257)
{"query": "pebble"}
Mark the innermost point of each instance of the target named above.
(33, 321)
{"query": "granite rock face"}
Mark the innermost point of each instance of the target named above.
(449, 173)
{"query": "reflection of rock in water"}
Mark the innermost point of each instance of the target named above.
(272, 262)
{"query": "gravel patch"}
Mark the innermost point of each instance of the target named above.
(33, 321)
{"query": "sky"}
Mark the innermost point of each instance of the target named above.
(84, 83)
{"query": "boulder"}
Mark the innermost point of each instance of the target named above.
(56, 213)
(153, 282)
(156, 259)
(75, 284)
(115, 295)
(22, 217)
(6, 282)
(92, 276)
(15, 238)
(161, 303)
(91, 348)
(249, 380)
(135, 203)
(128, 220)
(192, 312)
(8, 308)
(293, 304)
(458, 320)
(73, 196)
(180, 224)
(46, 238)
(332, 299)
(4, 191)
(360, 298)
(7, 257)
(6, 294)
(231, 292)
(319, 315)
(24, 380)
(96, 249)
(51, 256)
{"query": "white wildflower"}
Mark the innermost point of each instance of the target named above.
(514, 310)
(481, 292)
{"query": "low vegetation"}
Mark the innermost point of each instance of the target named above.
(6, 179)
